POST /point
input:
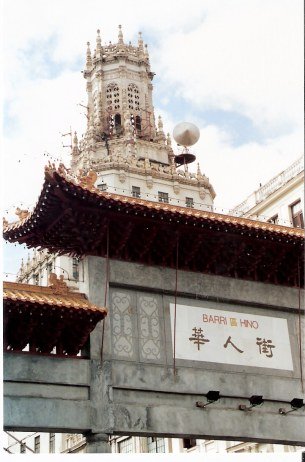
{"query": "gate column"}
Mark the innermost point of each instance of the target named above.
(97, 442)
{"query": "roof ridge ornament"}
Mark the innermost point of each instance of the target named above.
(88, 180)
(50, 167)
(58, 285)
(22, 214)
(62, 169)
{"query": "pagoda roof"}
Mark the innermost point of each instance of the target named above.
(47, 317)
(75, 218)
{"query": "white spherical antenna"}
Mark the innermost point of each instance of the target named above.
(186, 134)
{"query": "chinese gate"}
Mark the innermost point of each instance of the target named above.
(207, 348)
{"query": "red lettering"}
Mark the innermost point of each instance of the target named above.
(214, 319)
(247, 323)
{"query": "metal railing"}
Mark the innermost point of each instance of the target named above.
(267, 189)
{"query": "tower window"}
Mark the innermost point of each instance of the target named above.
(155, 444)
(189, 443)
(102, 186)
(75, 269)
(138, 123)
(133, 97)
(189, 202)
(112, 97)
(22, 448)
(118, 123)
(126, 445)
(49, 268)
(297, 214)
(37, 444)
(52, 443)
(36, 279)
(163, 197)
(274, 219)
(136, 192)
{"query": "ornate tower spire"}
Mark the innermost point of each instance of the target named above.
(116, 90)
(146, 51)
(75, 149)
(98, 45)
(140, 42)
(160, 124)
(198, 170)
(120, 35)
(160, 133)
(89, 58)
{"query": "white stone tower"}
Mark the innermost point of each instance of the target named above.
(122, 144)
(130, 155)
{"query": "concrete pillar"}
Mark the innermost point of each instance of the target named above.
(97, 443)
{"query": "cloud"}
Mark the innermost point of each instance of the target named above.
(245, 56)
(45, 109)
(236, 172)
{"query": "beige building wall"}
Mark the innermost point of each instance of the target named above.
(280, 200)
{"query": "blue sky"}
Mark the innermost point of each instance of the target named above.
(234, 68)
(241, 128)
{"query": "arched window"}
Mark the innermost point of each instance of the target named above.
(133, 97)
(117, 120)
(112, 97)
(138, 123)
(117, 124)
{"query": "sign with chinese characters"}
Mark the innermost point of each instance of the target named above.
(204, 334)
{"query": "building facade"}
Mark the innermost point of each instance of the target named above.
(33, 443)
(280, 200)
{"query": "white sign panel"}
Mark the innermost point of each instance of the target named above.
(204, 334)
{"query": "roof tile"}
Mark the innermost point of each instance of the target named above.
(45, 296)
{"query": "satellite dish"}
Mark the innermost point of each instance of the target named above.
(186, 134)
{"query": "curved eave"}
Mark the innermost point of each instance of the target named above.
(53, 179)
(30, 295)
(43, 320)
(71, 219)
(63, 305)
